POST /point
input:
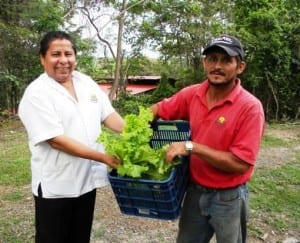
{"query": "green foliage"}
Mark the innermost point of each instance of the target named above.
(132, 147)
(45, 15)
(104, 67)
(86, 62)
(177, 29)
(129, 104)
(163, 90)
(265, 28)
(22, 24)
(140, 65)
(269, 30)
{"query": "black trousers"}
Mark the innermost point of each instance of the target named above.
(64, 220)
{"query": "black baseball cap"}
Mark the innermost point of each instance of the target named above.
(231, 45)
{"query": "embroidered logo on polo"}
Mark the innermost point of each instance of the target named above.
(221, 121)
(94, 98)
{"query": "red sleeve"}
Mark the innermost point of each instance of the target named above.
(177, 106)
(249, 135)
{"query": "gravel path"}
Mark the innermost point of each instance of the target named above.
(112, 226)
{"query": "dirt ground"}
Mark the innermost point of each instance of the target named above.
(110, 226)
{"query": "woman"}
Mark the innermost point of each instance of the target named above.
(62, 111)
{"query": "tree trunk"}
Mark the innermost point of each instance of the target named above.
(270, 85)
(113, 92)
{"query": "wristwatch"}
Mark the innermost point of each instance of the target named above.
(189, 147)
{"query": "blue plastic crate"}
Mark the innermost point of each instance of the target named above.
(155, 199)
(166, 132)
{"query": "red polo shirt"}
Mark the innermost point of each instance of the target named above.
(234, 124)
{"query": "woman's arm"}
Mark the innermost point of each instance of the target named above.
(75, 148)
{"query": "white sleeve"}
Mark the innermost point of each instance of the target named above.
(39, 118)
(107, 107)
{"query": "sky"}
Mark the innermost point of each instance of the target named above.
(108, 30)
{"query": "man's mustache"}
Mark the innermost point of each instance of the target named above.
(217, 72)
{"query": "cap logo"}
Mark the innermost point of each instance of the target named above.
(223, 39)
(229, 44)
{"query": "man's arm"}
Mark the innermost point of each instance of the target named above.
(154, 109)
(222, 160)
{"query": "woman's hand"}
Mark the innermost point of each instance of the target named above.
(111, 161)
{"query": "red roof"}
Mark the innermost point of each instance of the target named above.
(131, 88)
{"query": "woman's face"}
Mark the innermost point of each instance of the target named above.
(60, 60)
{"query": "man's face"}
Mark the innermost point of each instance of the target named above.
(59, 61)
(220, 68)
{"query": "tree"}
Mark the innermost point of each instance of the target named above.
(21, 24)
(179, 29)
(266, 29)
(121, 20)
(89, 8)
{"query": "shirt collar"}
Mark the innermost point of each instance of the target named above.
(230, 98)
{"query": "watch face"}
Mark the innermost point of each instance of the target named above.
(189, 146)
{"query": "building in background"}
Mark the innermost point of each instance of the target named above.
(135, 84)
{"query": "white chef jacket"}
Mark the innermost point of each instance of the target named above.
(47, 110)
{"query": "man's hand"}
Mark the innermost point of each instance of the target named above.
(175, 149)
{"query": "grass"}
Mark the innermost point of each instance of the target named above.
(274, 191)
(271, 141)
(275, 197)
(15, 172)
(16, 221)
(14, 155)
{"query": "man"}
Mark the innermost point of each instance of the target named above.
(62, 111)
(227, 125)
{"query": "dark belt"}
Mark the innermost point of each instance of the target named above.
(209, 189)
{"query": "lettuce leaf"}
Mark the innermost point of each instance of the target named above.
(132, 147)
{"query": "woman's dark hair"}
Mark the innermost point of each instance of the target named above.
(54, 35)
